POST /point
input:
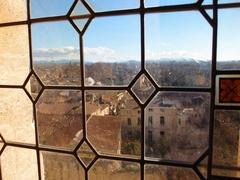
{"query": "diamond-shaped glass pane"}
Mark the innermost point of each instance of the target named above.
(143, 88)
(85, 154)
(33, 87)
(79, 10)
(80, 23)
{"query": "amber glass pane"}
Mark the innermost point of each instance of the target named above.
(19, 163)
(14, 54)
(59, 117)
(60, 166)
(229, 90)
(176, 126)
(157, 172)
(117, 170)
(171, 58)
(56, 55)
(113, 122)
(11, 11)
(226, 143)
(16, 119)
(112, 51)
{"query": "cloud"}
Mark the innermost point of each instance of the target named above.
(105, 54)
(97, 54)
(55, 54)
(100, 54)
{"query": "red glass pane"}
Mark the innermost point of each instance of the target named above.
(229, 90)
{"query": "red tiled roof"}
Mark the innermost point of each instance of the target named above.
(104, 132)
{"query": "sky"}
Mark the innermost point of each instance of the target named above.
(167, 35)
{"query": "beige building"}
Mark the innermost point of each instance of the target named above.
(160, 121)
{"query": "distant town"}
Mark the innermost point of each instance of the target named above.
(176, 124)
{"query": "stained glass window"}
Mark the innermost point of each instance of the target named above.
(102, 90)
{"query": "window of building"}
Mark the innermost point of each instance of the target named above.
(162, 120)
(139, 121)
(150, 136)
(162, 133)
(129, 121)
(72, 71)
(150, 121)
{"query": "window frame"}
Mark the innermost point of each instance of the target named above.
(140, 11)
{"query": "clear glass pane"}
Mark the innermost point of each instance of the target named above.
(14, 54)
(152, 3)
(56, 53)
(117, 170)
(228, 39)
(46, 8)
(113, 123)
(16, 116)
(228, 1)
(176, 126)
(112, 51)
(85, 154)
(157, 172)
(143, 88)
(109, 5)
(11, 11)
(226, 143)
(60, 166)
(169, 44)
(80, 23)
(59, 117)
(80, 9)
(19, 163)
(207, 1)
(33, 87)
